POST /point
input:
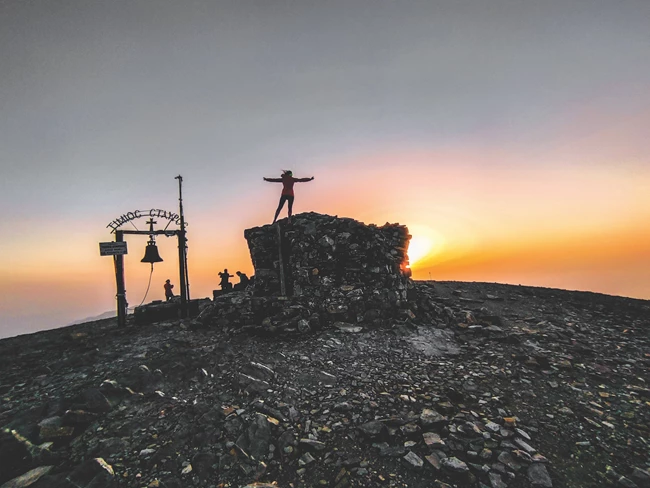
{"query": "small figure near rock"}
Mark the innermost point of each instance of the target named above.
(287, 181)
(226, 285)
(169, 294)
(243, 281)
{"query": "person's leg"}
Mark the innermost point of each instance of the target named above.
(283, 198)
(290, 200)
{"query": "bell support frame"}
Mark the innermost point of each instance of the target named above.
(182, 250)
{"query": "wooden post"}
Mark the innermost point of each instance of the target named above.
(119, 278)
(181, 270)
(283, 286)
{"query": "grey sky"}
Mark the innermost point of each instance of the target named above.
(229, 86)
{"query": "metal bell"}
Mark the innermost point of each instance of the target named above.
(151, 253)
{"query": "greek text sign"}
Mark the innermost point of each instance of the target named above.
(136, 214)
(112, 248)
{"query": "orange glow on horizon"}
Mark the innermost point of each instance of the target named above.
(474, 216)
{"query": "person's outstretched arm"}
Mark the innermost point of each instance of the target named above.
(273, 180)
(303, 180)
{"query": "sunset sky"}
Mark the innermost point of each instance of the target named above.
(512, 137)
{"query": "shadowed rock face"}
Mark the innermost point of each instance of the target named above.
(337, 272)
(318, 254)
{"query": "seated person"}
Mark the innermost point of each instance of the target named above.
(243, 281)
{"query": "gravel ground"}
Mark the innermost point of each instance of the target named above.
(519, 387)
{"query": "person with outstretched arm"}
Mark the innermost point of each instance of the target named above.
(287, 181)
(226, 285)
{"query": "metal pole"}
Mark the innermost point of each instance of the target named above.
(283, 287)
(119, 278)
(182, 257)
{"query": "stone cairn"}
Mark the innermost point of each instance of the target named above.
(319, 271)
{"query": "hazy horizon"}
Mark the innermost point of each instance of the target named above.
(112, 313)
(510, 137)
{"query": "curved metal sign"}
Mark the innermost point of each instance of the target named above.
(136, 214)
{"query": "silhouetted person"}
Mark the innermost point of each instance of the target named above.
(287, 181)
(226, 285)
(169, 294)
(243, 281)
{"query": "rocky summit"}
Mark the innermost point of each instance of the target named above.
(350, 376)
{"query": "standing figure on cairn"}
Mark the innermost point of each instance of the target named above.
(287, 195)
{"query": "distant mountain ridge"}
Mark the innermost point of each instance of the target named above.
(102, 316)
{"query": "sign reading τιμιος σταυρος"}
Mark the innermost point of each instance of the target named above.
(136, 214)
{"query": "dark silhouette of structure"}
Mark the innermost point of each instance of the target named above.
(287, 195)
(151, 252)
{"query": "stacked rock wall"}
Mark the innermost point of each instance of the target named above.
(319, 253)
(335, 271)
